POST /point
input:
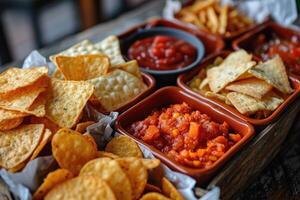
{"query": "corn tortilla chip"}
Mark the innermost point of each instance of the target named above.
(47, 135)
(66, 101)
(253, 87)
(81, 188)
(231, 69)
(47, 122)
(273, 71)
(84, 67)
(131, 67)
(58, 75)
(10, 123)
(10, 119)
(17, 145)
(116, 89)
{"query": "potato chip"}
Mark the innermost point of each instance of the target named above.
(152, 188)
(110, 46)
(47, 135)
(17, 145)
(53, 179)
(273, 72)
(10, 123)
(117, 88)
(72, 150)
(233, 66)
(104, 154)
(81, 127)
(124, 146)
(137, 174)
(253, 87)
(66, 101)
(90, 138)
(154, 196)
(131, 67)
(81, 188)
(84, 67)
(248, 105)
(110, 171)
(170, 191)
(47, 122)
(151, 163)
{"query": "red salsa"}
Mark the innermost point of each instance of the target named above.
(287, 49)
(162, 53)
(186, 135)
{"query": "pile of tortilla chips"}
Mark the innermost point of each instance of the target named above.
(254, 89)
(32, 108)
(116, 82)
(119, 172)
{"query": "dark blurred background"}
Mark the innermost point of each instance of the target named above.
(31, 24)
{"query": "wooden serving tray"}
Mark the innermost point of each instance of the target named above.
(246, 165)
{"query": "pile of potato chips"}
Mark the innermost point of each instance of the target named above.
(116, 82)
(212, 16)
(119, 172)
(253, 89)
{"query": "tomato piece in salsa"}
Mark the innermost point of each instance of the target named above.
(162, 53)
(185, 135)
(288, 49)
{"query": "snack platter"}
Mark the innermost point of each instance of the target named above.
(109, 128)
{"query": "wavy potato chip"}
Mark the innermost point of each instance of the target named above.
(110, 46)
(90, 138)
(52, 180)
(150, 163)
(170, 191)
(66, 101)
(81, 127)
(110, 171)
(83, 67)
(82, 188)
(234, 65)
(137, 174)
(273, 72)
(154, 196)
(47, 135)
(72, 150)
(124, 146)
(17, 145)
(117, 88)
(104, 154)
(253, 87)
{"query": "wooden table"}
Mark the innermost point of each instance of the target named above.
(270, 183)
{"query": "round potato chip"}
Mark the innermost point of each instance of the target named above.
(124, 146)
(137, 174)
(82, 188)
(81, 127)
(53, 178)
(90, 139)
(10, 123)
(151, 163)
(152, 188)
(103, 154)
(110, 171)
(154, 196)
(169, 190)
(72, 150)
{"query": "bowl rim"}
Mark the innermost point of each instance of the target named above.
(195, 172)
(184, 35)
(256, 122)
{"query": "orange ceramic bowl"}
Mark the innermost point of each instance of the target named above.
(150, 83)
(249, 41)
(173, 95)
(258, 123)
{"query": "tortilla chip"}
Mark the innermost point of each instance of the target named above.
(84, 67)
(248, 105)
(47, 135)
(253, 87)
(116, 88)
(110, 46)
(58, 75)
(66, 101)
(246, 75)
(131, 67)
(231, 69)
(15, 79)
(273, 71)
(47, 122)
(10, 123)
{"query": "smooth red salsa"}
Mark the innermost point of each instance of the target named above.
(287, 49)
(186, 135)
(162, 53)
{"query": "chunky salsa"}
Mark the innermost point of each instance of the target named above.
(287, 49)
(162, 53)
(185, 135)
